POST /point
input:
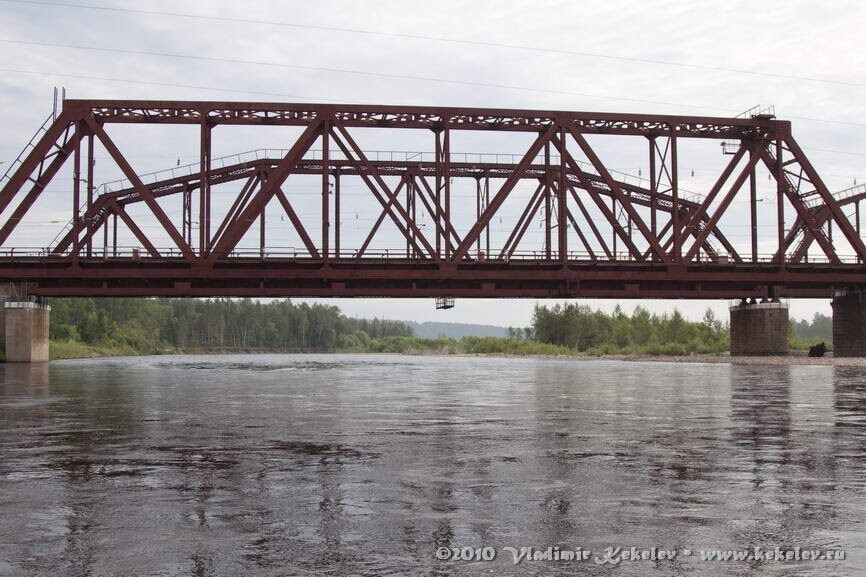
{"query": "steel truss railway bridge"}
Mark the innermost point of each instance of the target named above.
(604, 233)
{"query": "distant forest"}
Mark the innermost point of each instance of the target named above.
(110, 326)
(821, 328)
(150, 325)
(579, 327)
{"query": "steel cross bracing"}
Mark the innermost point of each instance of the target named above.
(603, 233)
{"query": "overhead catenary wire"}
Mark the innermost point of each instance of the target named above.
(373, 74)
(441, 39)
(368, 73)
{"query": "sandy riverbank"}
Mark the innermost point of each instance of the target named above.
(795, 358)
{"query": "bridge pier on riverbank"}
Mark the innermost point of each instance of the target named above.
(759, 328)
(25, 326)
(849, 323)
(3, 325)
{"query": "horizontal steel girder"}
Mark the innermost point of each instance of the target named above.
(677, 257)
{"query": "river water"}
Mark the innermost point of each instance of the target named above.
(368, 465)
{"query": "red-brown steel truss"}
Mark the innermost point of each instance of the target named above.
(603, 234)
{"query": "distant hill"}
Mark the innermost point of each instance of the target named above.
(432, 330)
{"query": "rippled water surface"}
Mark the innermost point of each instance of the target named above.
(365, 465)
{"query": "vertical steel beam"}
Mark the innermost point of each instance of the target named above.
(780, 201)
(478, 209)
(139, 186)
(377, 185)
(204, 187)
(723, 205)
(613, 229)
(675, 194)
(438, 186)
(269, 188)
(326, 193)
(76, 190)
(753, 206)
(90, 190)
(486, 204)
(105, 236)
(835, 210)
(446, 166)
(503, 193)
(262, 225)
(617, 193)
(411, 196)
(337, 223)
(548, 220)
(562, 202)
(654, 185)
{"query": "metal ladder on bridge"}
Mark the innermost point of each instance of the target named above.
(10, 170)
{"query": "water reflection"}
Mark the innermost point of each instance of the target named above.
(761, 418)
(364, 465)
(27, 378)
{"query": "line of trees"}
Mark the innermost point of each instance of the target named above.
(145, 326)
(150, 325)
(579, 327)
(821, 328)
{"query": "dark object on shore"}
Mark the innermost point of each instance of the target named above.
(818, 350)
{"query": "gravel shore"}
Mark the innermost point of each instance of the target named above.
(795, 358)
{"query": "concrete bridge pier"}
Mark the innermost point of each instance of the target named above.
(23, 326)
(26, 332)
(849, 323)
(759, 328)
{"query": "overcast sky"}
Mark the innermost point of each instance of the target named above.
(716, 59)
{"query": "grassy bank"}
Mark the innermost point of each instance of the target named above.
(59, 349)
(78, 350)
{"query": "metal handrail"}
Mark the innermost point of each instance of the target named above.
(127, 252)
(403, 156)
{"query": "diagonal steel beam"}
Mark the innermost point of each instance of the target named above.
(723, 205)
(353, 152)
(278, 176)
(381, 218)
(735, 256)
(623, 199)
(428, 204)
(142, 238)
(38, 186)
(591, 223)
(588, 185)
(36, 157)
(475, 232)
(238, 204)
(142, 190)
(297, 223)
(832, 204)
(523, 222)
(701, 212)
(802, 210)
(580, 234)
